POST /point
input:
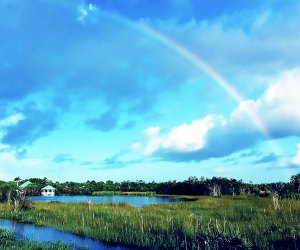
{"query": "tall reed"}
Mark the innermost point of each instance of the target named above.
(237, 222)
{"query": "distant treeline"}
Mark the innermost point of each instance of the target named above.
(192, 186)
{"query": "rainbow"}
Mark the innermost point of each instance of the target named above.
(201, 65)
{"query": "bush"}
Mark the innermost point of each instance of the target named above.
(25, 205)
(264, 194)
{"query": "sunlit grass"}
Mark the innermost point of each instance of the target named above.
(245, 222)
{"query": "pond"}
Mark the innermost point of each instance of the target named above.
(41, 234)
(137, 201)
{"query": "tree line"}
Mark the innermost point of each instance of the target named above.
(215, 186)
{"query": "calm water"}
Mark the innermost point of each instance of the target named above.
(137, 201)
(41, 234)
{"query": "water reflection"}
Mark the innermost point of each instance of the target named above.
(41, 234)
(137, 201)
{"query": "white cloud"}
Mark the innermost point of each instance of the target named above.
(12, 120)
(8, 122)
(3, 146)
(183, 138)
(84, 11)
(214, 136)
(151, 132)
(10, 160)
(135, 145)
(278, 107)
(11, 166)
(92, 7)
(296, 158)
(293, 162)
(223, 170)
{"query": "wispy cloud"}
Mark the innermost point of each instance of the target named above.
(120, 160)
(34, 124)
(63, 158)
(106, 122)
(267, 159)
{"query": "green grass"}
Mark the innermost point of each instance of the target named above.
(208, 223)
(102, 193)
(183, 197)
(8, 242)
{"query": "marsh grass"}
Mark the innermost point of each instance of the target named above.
(208, 223)
(104, 193)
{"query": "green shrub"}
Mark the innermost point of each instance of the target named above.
(25, 205)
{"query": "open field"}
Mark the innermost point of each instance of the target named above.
(208, 223)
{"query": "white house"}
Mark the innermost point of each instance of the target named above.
(48, 191)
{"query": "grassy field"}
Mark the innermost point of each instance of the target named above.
(103, 193)
(208, 223)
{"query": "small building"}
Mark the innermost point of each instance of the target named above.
(48, 191)
(25, 185)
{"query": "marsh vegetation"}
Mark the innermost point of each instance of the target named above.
(222, 213)
(238, 222)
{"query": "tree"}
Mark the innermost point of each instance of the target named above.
(9, 193)
(17, 180)
(295, 181)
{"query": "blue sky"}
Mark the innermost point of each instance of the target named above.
(118, 90)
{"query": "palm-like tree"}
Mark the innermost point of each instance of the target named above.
(17, 180)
